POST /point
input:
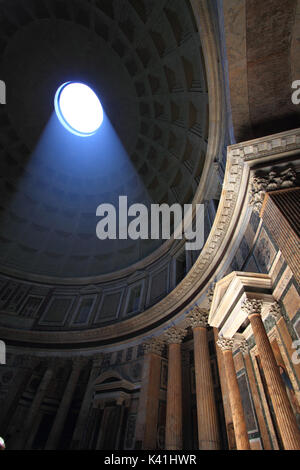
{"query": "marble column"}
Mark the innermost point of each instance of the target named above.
(27, 435)
(208, 428)
(174, 337)
(238, 416)
(146, 431)
(223, 381)
(225, 395)
(285, 417)
(64, 406)
(187, 418)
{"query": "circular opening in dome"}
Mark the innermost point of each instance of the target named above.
(78, 108)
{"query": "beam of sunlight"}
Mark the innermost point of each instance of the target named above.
(64, 180)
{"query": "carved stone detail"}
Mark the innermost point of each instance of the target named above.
(275, 311)
(174, 335)
(210, 294)
(226, 344)
(264, 183)
(252, 306)
(197, 317)
(242, 345)
(154, 345)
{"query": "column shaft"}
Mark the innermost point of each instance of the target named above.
(208, 432)
(284, 414)
(151, 401)
(174, 399)
(63, 409)
(27, 436)
(238, 417)
(225, 396)
(84, 409)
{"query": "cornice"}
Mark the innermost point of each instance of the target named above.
(264, 149)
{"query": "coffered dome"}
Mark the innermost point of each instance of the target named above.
(144, 60)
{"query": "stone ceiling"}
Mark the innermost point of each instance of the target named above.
(144, 59)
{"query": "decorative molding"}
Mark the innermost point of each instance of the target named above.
(252, 306)
(282, 143)
(275, 311)
(197, 317)
(90, 289)
(174, 335)
(242, 345)
(210, 294)
(262, 183)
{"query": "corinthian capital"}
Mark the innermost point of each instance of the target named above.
(242, 345)
(197, 317)
(154, 345)
(174, 335)
(252, 306)
(226, 344)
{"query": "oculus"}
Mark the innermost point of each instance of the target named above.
(78, 108)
